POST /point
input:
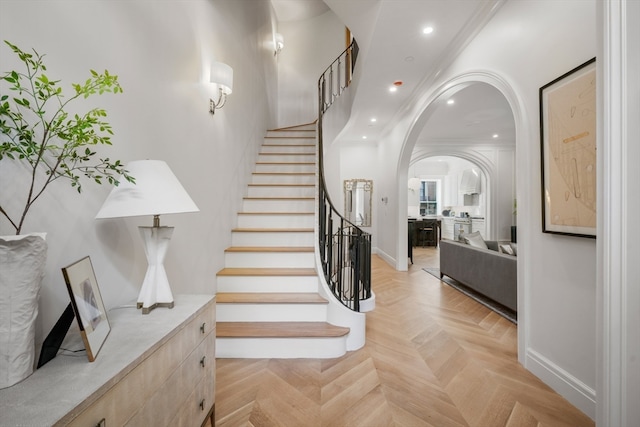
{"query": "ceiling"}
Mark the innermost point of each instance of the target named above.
(393, 48)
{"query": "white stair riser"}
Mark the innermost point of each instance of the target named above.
(280, 348)
(278, 205)
(288, 167)
(259, 178)
(269, 259)
(250, 238)
(275, 221)
(281, 191)
(267, 284)
(286, 158)
(299, 147)
(238, 312)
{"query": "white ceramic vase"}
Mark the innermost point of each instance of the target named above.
(22, 263)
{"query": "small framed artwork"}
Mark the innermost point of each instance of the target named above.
(87, 304)
(568, 149)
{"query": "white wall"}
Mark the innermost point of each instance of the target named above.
(311, 45)
(357, 161)
(161, 53)
(526, 45)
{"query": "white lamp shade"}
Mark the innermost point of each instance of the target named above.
(222, 75)
(157, 191)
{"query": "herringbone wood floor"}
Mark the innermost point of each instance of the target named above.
(433, 357)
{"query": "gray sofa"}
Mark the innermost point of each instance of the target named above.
(486, 271)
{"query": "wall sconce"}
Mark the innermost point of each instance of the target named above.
(279, 43)
(222, 75)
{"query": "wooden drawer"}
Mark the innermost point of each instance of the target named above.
(117, 405)
(198, 329)
(167, 400)
(199, 403)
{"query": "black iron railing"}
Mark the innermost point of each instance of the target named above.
(345, 249)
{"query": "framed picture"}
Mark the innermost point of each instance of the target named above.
(87, 305)
(568, 148)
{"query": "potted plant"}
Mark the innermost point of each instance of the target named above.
(38, 131)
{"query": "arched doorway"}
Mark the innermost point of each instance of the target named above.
(470, 120)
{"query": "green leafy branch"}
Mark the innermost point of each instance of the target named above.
(37, 129)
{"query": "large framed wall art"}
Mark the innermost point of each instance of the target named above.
(568, 148)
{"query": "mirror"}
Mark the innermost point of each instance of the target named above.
(357, 201)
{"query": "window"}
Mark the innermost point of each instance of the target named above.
(429, 197)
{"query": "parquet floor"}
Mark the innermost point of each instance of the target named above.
(433, 357)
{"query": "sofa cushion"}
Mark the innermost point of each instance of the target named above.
(475, 239)
(506, 249)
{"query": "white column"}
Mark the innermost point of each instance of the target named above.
(618, 380)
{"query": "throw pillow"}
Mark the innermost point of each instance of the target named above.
(514, 248)
(475, 239)
(506, 249)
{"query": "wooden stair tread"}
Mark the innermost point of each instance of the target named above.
(269, 184)
(286, 173)
(269, 298)
(279, 198)
(285, 163)
(279, 330)
(238, 271)
(287, 154)
(287, 145)
(290, 136)
(276, 213)
(270, 249)
(272, 230)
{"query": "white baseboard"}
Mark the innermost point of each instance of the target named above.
(571, 388)
(385, 256)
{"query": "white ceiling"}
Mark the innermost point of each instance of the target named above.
(393, 47)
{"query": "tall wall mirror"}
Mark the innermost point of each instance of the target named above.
(357, 201)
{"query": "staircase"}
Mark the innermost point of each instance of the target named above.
(268, 300)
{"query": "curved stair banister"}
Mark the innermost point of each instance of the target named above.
(345, 249)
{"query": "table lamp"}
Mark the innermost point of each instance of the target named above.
(156, 192)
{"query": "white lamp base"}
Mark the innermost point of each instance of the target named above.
(155, 291)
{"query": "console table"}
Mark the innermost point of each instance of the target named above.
(155, 369)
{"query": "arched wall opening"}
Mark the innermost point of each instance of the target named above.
(406, 157)
(486, 167)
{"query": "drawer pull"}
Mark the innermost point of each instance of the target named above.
(202, 405)
(202, 327)
(202, 361)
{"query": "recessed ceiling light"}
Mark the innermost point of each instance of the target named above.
(427, 30)
(451, 102)
(495, 135)
(409, 59)
(364, 136)
(393, 89)
(373, 120)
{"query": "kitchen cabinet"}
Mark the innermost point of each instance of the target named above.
(450, 191)
(478, 224)
(447, 228)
